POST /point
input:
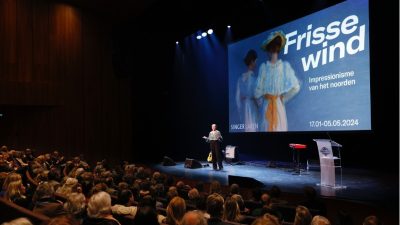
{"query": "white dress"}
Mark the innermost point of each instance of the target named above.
(279, 81)
(245, 101)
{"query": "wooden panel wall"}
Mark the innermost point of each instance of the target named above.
(57, 86)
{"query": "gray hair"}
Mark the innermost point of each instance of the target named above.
(43, 190)
(99, 205)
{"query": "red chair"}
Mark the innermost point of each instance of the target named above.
(297, 149)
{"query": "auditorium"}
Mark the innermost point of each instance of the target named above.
(245, 112)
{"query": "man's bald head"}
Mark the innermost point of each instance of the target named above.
(194, 218)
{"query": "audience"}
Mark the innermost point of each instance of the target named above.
(112, 204)
(44, 201)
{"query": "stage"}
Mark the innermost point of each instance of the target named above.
(361, 185)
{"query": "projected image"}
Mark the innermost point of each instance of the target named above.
(308, 75)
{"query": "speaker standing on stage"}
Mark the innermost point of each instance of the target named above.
(214, 138)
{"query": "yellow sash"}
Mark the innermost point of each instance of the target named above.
(272, 111)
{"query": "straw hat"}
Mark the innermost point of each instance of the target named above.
(272, 38)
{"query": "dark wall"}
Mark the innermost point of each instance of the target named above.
(57, 86)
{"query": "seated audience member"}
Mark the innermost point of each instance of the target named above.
(4, 149)
(303, 216)
(99, 210)
(63, 220)
(372, 220)
(56, 159)
(146, 215)
(312, 200)
(266, 219)
(196, 200)
(344, 218)
(215, 187)
(240, 202)
(124, 211)
(320, 220)
(68, 187)
(275, 194)
(76, 206)
(266, 205)
(18, 221)
(232, 212)
(234, 190)
(194, 218)
(44, 201)
(28, 156)
(11, 177)
(149, 201)
(172, 193)
(54, 178)
(4, 164)
(215, 207)
(15, 193)
(175, 211)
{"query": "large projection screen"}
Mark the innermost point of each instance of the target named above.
(312, 74)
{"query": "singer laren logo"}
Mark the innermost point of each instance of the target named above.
(324, 151)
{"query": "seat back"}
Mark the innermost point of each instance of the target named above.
(13, 211)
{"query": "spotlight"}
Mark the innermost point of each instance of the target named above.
(204, 34)
(177, 42)
(210, 31)
(229, 26)
(198, 37)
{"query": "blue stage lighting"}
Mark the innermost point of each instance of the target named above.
(229, 26)
(177, 42)
(210, 31)
(198, 37)
(204, 34)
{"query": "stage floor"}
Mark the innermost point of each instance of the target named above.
(362, 185)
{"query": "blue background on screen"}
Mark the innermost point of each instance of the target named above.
(316, 110)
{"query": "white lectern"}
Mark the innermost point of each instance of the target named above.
(327, 163)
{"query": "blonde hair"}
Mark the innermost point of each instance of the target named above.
(18, 221)
(75, 204)
(99, 205)
(176, 209)
(11, 178)
(320, 220)
(231, 210)
(267, 219)
(14, 190)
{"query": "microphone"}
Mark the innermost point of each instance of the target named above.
(329, 135)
